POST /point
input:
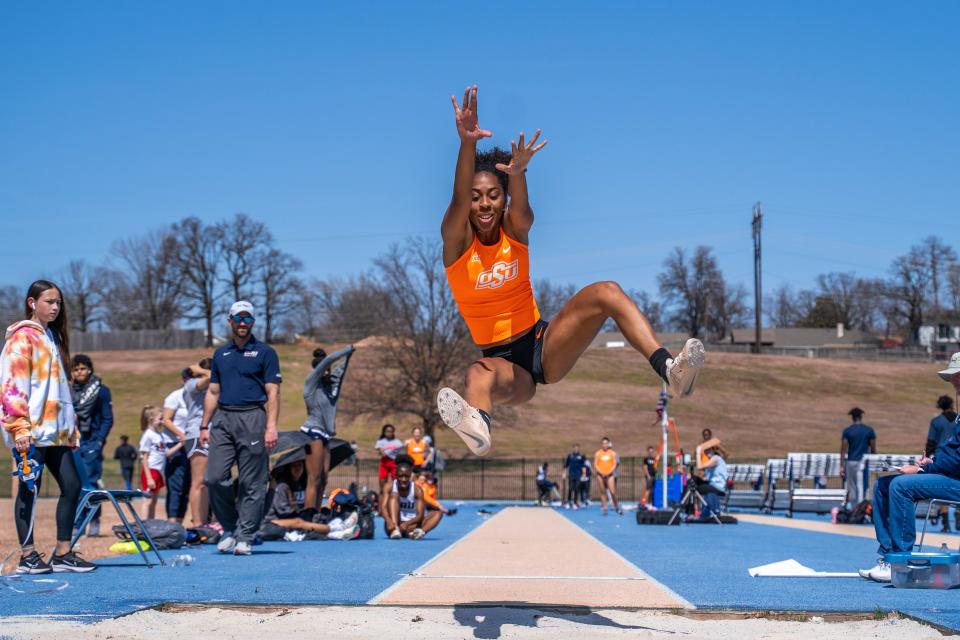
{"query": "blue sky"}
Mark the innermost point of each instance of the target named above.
(332, 122)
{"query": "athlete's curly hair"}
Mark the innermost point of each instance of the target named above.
(488, 161)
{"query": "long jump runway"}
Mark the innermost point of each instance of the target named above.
(530, 557)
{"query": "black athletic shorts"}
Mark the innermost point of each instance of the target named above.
(526, 351)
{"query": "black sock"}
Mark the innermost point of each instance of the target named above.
(485, 416)
(659, 362)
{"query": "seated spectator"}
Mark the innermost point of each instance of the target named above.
(404, 513)
(711, 461)
(547, 488)
(428, 484)
(288, 486)
(895, 496)
(942, 428)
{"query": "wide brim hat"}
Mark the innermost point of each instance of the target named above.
(953, 367)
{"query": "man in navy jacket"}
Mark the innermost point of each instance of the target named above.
(895, 496)
(94, 408)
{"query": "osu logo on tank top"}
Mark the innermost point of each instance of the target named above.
(491, 285)
(497, 275)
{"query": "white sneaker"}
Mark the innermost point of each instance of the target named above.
(242, 549)
(417, 533)
(227, 544)
(879, 573)
(682, 371)
(395, 534)
(346, 533)
(351, 519)
(464, 420)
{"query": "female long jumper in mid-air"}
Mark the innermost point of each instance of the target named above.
(486, 232)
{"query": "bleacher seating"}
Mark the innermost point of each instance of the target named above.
(777, 498)
(813, 466)
(750, 496)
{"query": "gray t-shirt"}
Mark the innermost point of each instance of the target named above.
(193, 400)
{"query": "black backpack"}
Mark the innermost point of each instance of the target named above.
(367, 526)
(165, 534)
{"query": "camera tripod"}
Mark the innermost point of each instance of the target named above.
(690, 498)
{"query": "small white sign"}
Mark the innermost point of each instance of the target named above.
(616, 344)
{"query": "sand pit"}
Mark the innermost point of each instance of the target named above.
(346, 623)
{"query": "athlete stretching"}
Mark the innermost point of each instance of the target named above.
(487, 261)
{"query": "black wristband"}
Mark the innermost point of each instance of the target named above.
(203, 428)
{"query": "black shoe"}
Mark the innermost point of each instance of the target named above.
(72, 563)
(946, 526)
(33, 564)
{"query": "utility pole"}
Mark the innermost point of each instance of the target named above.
(757, 289)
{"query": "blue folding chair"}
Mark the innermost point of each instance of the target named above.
(90, 499)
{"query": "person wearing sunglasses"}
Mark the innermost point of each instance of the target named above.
(239, 426)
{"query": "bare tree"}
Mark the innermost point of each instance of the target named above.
(83, 287)
(729, 308)
(691, 286)
(786, 308)
(351, 309)
(245, 243)
(144, 292)
(425, 343)
(198, 258)
(850, 298)
(909, 288)
(941, 258)
(11, 305)
(953, 287)
(279, 288)
(652, 309)
(551, 297)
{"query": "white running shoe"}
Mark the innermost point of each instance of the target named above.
(227, 544)
(347, 533)
(464, 420)
(682, 371)
(879, 573)
(417, 533)
(351, 519)
(242, 549)
(395, 534)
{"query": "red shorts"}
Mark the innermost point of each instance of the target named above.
(388, 469)
(157, 480)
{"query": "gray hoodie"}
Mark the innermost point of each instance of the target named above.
(321, 392)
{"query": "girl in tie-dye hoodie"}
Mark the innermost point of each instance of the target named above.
(37, 409)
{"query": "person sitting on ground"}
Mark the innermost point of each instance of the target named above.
(428, 484)
(288, 489)
(153, 457)
(711, 460)
(126, 453)
(895, 496)
(404, 513)
(546, 487)
(857, 440)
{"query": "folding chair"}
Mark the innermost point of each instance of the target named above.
(934, 502)
(91, 498)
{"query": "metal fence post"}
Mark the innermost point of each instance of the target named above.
(483, 473)
(523, 479)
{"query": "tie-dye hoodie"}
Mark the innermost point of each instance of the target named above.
(34, 390)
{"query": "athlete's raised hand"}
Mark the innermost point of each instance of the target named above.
(522, 152)
(468, 123)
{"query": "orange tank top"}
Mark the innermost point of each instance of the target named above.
(605, 461)
(491, 284)
(416, 451)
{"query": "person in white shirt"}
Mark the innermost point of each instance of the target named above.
(153, 457)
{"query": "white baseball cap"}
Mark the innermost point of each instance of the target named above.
(240, 306)
(952, 368)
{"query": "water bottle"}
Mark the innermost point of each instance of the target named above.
(182, 560)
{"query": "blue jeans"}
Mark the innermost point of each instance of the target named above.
(894, 510)
(177, 474)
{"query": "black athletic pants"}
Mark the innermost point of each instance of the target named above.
(58, 462)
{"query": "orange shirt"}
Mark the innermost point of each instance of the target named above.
(605, 461)
(429, 494)
(491, 284)
(417, 451)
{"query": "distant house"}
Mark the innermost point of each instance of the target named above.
(797, 338)
(940, 334)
